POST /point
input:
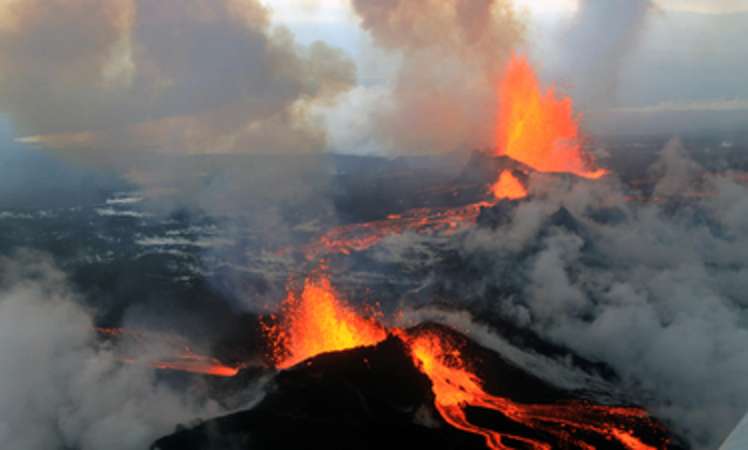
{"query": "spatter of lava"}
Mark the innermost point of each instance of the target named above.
(318, 321)
(535, 127)
(538, 128)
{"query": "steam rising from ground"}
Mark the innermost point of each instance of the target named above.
(656, 291)
(58, 387)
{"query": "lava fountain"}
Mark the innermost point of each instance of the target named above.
(539, 128)
(318, 321)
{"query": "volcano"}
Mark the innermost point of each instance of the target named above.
(382, 395)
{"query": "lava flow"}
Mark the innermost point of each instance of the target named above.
(509, 187)
(455, 388)
(360, 236)
(316, 322)
(184, 359)
(537, 128)
(319, 322)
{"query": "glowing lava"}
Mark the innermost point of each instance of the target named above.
(509, 187)
(182, 358)
(361, 236)
(538, 128)
(455, 388)
(316, 322)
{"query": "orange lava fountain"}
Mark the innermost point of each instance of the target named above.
(456, 387)
(538, 128)
(508, 187)
(319, 322)
(316, 322)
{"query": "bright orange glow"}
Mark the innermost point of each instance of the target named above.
(456, 387)
(183, 358)
(318, 322)
(538, 128)
(361, 236)
(508, 187)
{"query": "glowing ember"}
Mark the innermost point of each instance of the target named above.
(184, 359)
(318, 322)
(455, 387)
(508, 187)
(537, 128)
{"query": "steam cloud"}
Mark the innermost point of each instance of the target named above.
(444, 95)
(58, 387)
(135, 75)
(656, 292)
(595, 45)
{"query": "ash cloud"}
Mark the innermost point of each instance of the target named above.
(443, 97)
(62, 389)
(135, 76)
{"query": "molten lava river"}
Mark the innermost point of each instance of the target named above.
(319, 321)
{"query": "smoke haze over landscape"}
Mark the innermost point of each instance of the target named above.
(179, 171)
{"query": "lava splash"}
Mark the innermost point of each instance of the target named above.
(318, 321)
(537, 127)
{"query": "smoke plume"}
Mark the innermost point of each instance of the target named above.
(138, 75)
(656, 290)
(595, 45)
(444, 95)
(59, 388)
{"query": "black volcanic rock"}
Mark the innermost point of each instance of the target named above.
(366, 398)
(497, 215)
(373, 398)
(485, 168)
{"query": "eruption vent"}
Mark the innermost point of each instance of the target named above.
(316, 322)
(319, 322)
(538, 128)
(509, 187)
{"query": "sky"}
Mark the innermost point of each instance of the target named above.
(675, 68)
(684, 67)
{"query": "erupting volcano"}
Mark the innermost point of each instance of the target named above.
(317, 322)
(538, 128)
